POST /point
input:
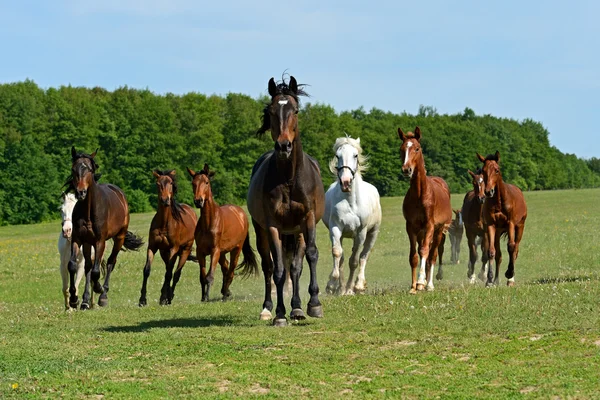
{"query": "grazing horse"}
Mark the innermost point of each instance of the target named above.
(171, 233)
(220, 230)
(504, 213)
(286, 199)
(352, 210)
(101, 213)
(472, 211)
(64, 247)
(456, 233)
(426, 209)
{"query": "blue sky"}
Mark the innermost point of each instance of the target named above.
(516, 59)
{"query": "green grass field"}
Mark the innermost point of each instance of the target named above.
(539, 339)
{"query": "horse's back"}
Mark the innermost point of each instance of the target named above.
(234, 226)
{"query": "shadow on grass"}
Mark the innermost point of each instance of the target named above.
(173, 323)
(564, 279)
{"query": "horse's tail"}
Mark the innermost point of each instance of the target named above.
(250, 265)
(132, 241)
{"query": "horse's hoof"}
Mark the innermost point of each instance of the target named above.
(489, 284)
(280, 322)
(349, 292)
(429, 288)
(297, 314)
(439, 277)
(98, 288)
(163, 302)
(315, 311)
(204, 298)
(510, 283)
(265, 315)
(412, 291)
(226, 297)
(85, 306)
(472, 280)
(73, 305)
(420, 287)
(143, 303)
(103, 301)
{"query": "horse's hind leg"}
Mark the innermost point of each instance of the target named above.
(298, 251)
(86, 300)
(361, 282)
(440, 251)
(146, 275)
(314, 308)
(262, 245)
(182, 260)
(334, 284)
(169, 259)
(433, 255)
(110, 265)
(515, 233)
(95, 275)
(228, 270)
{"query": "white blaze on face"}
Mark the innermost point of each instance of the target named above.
(480, 180)
(408, 146)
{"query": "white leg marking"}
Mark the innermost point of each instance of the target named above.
(421, 280)
(430, 283)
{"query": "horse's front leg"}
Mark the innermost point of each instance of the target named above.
(95, 275)
(491, 239)
(439, 255)
(295, 273)
(214, 260)
(361, 282)
(262, 245)
(86, 301)
(72, 268)
(279, 274)
(510, 271)
(436, 244)
(169, 257)
(413, 259)
(146, 275)
(182, 260)
(334, 285)
(314, 309)
(358, 240)
(424, 253)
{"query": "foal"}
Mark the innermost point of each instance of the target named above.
(455, 232)
(220, 230)
(504, 212)
(472, 209)
(426, 209)
(171, 233)
(64, 247)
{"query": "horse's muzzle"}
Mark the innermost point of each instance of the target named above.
(481, 199)
(166, 202)
(283, 150)
(490, 193)
(80, 194)
(199, 203)
(407, 172)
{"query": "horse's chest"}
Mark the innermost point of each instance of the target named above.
(347, 218)
(84, 231)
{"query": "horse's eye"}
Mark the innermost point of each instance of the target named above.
(356, 156)
(296, 111)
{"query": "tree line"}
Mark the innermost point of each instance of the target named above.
(137, 131)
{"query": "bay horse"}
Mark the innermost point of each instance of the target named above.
(352, 210)
(504, 213)
(427, 211)
(455, 231)
(171, 233)
(101, 213)
(472, 211)
(286, 200)
(220, 230)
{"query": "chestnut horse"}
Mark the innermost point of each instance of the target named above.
(220, 230)
(286, 199)
(472, 211)
(101, 213)
(171, 233)
(504, 213)
(426, 209)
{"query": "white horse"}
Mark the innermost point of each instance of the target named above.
(352, 210)
(64, 246)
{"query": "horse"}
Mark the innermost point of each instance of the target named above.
(504, 213)
(64, 247)
(101, 213)
(427, 211)
(220, 230)
(455, 231)
(352, 210)
(472, 208)
(171, 233)
(286, 200)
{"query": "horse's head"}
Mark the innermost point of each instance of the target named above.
(491, 172)
(165, 183)
(410, 151)
(348, 161)
(66, 210)
(280, 116)
(83, 172)
(478, 184)
(201, 184)
(458, 220)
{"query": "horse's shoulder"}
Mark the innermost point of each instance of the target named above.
(262, 159)
(314, 162)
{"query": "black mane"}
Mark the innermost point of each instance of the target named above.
(176, 208)
(281, 88)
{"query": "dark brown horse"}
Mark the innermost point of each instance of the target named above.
(472, 212)
(220, 230)
(504, 213)
(286, 199)
(455, 231)
(101, 213)
(171, 233)
(426, 209)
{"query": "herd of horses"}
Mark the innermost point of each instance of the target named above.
(286, 199)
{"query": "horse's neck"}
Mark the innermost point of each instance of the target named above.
(90, 200)
(352, 197)
(418, 182)
(289, 169)
(208, 213)
(502, 193)
(164, 214)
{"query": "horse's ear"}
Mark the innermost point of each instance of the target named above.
(497, 155)
(272, 87)
(293, 85)
(358, 140)
(206, 170)
(481, 158)
(401, 134)
(94, 153)
(418, 133)
(211, 174)
(471, 173)
(155, 173)
(191, 172)
(172, 173)
(73, 151)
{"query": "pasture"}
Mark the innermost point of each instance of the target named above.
(538, 339)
